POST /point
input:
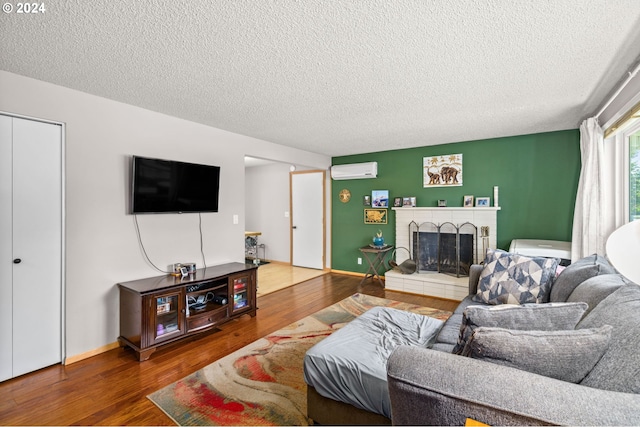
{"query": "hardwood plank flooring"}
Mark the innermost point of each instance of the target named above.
(277, 275)
(111, 388)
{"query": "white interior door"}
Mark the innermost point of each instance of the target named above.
(307, 219)
(36, 244)
(6, 252)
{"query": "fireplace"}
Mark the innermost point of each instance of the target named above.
(444, 248)
(432, 283)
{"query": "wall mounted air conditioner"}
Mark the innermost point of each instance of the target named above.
(355, 171)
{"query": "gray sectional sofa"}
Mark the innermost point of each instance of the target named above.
(587, 374)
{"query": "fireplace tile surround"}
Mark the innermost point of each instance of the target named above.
(433, 283)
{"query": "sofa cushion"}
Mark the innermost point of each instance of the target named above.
(542, 317)
(596, 289)
(566, 355)
(444, 347)
(451, 329)
(619, 368)
(576, 273)
(515, 279)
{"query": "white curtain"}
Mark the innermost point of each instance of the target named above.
(590, 230)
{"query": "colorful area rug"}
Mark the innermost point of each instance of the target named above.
(262, 383)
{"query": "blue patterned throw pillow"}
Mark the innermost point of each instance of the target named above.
(509, 278)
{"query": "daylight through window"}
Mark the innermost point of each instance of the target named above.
(634, 176)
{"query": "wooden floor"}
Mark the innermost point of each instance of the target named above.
(111, 388)
(278, 275)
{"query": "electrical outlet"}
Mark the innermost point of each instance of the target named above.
(359, 260)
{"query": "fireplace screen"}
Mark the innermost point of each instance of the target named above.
(444, 248)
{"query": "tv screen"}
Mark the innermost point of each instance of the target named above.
(167, 186)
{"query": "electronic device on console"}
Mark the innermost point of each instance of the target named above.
(220, 299)
(200, 301)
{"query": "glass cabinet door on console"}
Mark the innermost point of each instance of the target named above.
(240, 290)
(166, 316)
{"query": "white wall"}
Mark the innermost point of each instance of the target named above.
(101, 244)
(267, 200)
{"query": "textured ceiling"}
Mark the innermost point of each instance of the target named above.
(338, 76)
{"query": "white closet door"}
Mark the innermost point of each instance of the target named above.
(37, 245)
(6, 253)
(307, 219)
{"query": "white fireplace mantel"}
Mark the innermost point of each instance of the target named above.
(487, 208)
(457, 212)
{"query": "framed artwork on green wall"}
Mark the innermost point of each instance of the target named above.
(375, 216)
(442, 171)
(380, 198)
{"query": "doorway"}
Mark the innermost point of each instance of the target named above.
(268, 207)
(308, 219)
(32, 226)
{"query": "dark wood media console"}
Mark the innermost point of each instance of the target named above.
(165, 309)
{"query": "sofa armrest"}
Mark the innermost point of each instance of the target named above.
(430, 387)
(474, 278)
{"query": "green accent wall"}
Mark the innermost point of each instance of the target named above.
(537, 176)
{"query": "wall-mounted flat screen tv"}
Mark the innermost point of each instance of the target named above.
(167, 186)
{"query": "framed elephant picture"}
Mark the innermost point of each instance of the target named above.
(442, 171)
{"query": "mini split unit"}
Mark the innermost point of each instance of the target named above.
(355, 171)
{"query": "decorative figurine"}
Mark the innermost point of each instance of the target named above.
(378, 240)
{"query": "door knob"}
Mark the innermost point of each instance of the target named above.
(294, 227)
(17, 261)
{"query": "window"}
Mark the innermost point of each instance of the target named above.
(634, 176)
(622, 175)
(622, 164)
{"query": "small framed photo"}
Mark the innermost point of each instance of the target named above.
(366, 200)
(164, 308)
(380, 198)
(397, 202)
(442, 203)
(375, 216)
(409, 202)
(468, 202)
(482, 202)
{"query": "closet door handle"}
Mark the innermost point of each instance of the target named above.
(17, 261)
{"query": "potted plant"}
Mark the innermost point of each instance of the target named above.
(378, 240)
